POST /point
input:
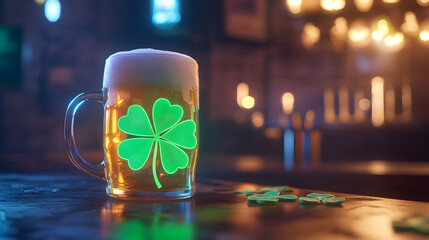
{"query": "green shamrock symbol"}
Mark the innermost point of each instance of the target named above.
(168, 135)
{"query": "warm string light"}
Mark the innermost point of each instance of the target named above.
(364, 5)
(257, 119)
(359, 34)
(423, 3)
(243, 99)
(294, 6)
(248, 102)
(386, 37)
(381, 28)
(338, 33)
(332, 5)
(242, 92)
(309, 119)
(364, 104)
(424, 33)
(410, 25)
(310, 35)
(288, 101)
(377, 98)
(329, 105)
(390, 1)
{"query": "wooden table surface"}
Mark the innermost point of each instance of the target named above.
(76, 207)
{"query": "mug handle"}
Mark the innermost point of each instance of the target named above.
(73, 153)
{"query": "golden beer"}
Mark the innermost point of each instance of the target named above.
(121, 177)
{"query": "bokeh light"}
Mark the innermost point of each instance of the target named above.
(410, 25)
(294, 6)
(377, 98)
(364, 104)
(424, 33)
(288, 101)
(338, 33)
(242, 92)
(359, 34)
(52, 10)
(423, 3)
(364, 5)
(332, 5)
(258, 119)
(310, 35)
(248, 102)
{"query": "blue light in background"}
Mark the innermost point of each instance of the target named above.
(288, 149)
(165, 12)
(52, 10)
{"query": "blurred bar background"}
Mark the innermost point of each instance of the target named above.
(329, 85)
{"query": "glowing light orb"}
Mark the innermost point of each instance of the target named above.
(359, 34)
(424, 33)
(294, 6)
(165, 12)
(242, 92)
(52, 10)
(364, 5)
(258, 119)
(410, 25)
(287, 102)
(364, 104)
(377, 96)
(423, 3)
(332, 5)
(248, 102)
(338, 33)
(310, 35)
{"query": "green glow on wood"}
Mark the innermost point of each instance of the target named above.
(169, 134)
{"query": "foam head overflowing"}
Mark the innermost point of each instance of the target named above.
(151, 66)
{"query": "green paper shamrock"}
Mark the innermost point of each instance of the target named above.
(418, 224)
(268, 196)
(287, 198)
(318, 198)
(167, 134)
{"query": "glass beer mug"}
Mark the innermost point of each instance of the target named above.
(150, 100)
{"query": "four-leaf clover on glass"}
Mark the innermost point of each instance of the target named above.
(167, 134)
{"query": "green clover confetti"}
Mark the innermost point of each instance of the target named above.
(270, 198)
(167, 134)
(308, 201)
(267, 201)
(333, 201)
(287, 198)
(418, 224)
(254, 198)
(321, 198)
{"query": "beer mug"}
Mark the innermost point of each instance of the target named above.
(150, 100)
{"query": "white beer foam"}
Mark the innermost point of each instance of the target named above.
(185, 69)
